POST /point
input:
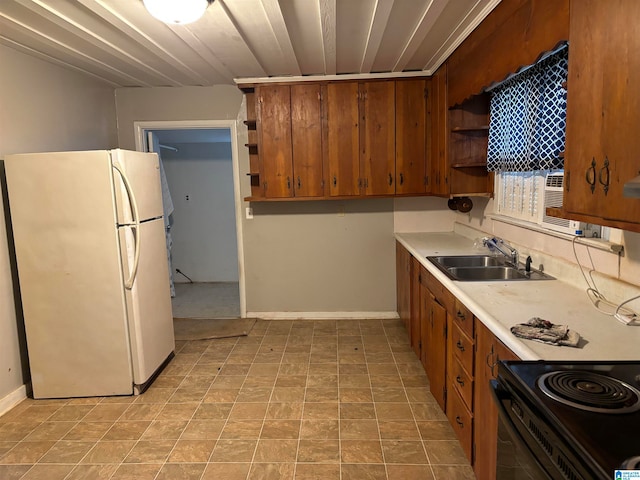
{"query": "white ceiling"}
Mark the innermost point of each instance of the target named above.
(119, 42)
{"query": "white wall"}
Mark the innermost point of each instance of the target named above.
(299, 256)
(43, 108)
(204, 227)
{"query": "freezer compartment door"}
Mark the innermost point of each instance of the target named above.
(142, 171)
(149, 299)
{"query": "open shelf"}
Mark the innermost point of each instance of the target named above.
(481, 128)
(251, 124)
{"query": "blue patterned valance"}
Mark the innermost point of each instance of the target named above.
(528, 118)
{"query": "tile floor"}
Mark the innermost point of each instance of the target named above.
(325, 400)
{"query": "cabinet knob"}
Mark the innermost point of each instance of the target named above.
(335, 181)
(590, 176)
(460, 381)
(288, 183)
(460, 346)
(299, 184)
(390, 180)
(603, 175)
(401, 178)
(459, 422)
(460, 315)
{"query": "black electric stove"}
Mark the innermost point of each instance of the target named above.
(579, 420)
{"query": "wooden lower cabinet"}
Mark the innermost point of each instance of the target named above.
(403, 284)
(489, 350)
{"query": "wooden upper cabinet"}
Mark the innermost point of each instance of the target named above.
(603, 112)
(377, 137)
(306, 137)
(438, 183)
(411, 135)
(274, 136)
(342, 138)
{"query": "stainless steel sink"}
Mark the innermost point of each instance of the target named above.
(483, 268)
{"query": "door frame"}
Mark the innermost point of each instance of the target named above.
(139, 131)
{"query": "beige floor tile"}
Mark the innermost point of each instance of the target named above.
(109, 452)
(287, 394)
(5, 447)
(221, 395)
(276, 451)
(233, 451)
(347, 395)
(445, 472)
(213, 411)
(93, 472)
(359, 451)
(389, 394)
(261, 369)
(203, 430)
(66, 451)
(16, 431)
(13, 472)
(164, 430)
(398, 430)
(156, 395)
(321, 410)
(197, 381)
(427, 411)
(394, 411)
(70, 413)
(48, 472)
(412, 381)
(284, 410)
(320, 429)
(39, 412)
(301, 368)
(142, 411)
(319, 451)
(237, 369)
(271, 471)
(181, 471)
(366, 472)
(242, 429)
(322, 381)
(359, 429)
(229, 381)
(291, 381)
(445, 452)
(253, 411)
(255, 393)
(316, 471)
(106, 412)
(137, 472)
(27, 452)
(354, 381)
(280, 429)
(436, 430)
(154, 451)
(188, 394)
(321, 394)
(126, 430)
(405, 472)
(50, 431)
(419, 395)
(353, 369)
(357, 411)
(382, 369)
(168, 381)
(401, 451)
(323, 369)
(177, 411)
(192, 451)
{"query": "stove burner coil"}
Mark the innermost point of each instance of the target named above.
(590, 391)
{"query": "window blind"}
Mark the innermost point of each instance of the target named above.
(528, 118)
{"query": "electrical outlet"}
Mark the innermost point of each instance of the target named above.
(249, 213)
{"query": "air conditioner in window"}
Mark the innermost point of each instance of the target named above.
(553, 188)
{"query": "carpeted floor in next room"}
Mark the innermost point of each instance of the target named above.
(326, 399)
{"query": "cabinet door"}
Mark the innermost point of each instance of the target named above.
(439, 177)
(488, 351)
(377, 137)
(437, 351)
(416, 325)
(411, 136)
(276, 164)
(342, 138)
(306, 137)
(403, 285)
(603, 110)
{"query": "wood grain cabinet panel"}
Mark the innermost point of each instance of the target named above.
(603, 112)
(403, 284)
(342, 135)
(412, 139)
(306, 139)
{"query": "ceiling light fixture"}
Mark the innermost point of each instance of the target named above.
(177, 12)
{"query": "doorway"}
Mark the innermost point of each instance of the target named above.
(201, 169)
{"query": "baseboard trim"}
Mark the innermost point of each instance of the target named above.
(13, 399)
(323, 315)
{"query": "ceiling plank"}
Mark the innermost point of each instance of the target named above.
(428, 19)
(48, 58)
(154, 46)
(328, 23)
(279, 27)
(39, 36)
(58, 17)
(381, 14)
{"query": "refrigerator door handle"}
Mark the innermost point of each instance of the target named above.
(134, 225)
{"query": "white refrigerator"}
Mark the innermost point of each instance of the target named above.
(92, 266)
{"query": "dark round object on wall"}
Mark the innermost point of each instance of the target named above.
(452, 204)
(464, 204)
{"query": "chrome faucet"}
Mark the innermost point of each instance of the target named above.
(504, 248)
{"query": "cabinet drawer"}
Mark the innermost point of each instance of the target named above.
(461, 420)
(441, 294)
(463, 317)
(462, 382)
(462, 347)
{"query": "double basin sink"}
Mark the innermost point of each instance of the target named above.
(484, 268)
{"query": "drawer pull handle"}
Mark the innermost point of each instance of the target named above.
(459, 422)
(590, 176)
(604, 179)
(461, 315)
(460, 381)
(460, 346)
(390, 180)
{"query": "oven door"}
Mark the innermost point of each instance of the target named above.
(519, 456)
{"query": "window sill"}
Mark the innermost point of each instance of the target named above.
(597, 243)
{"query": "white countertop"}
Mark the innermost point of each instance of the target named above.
(500, 305)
